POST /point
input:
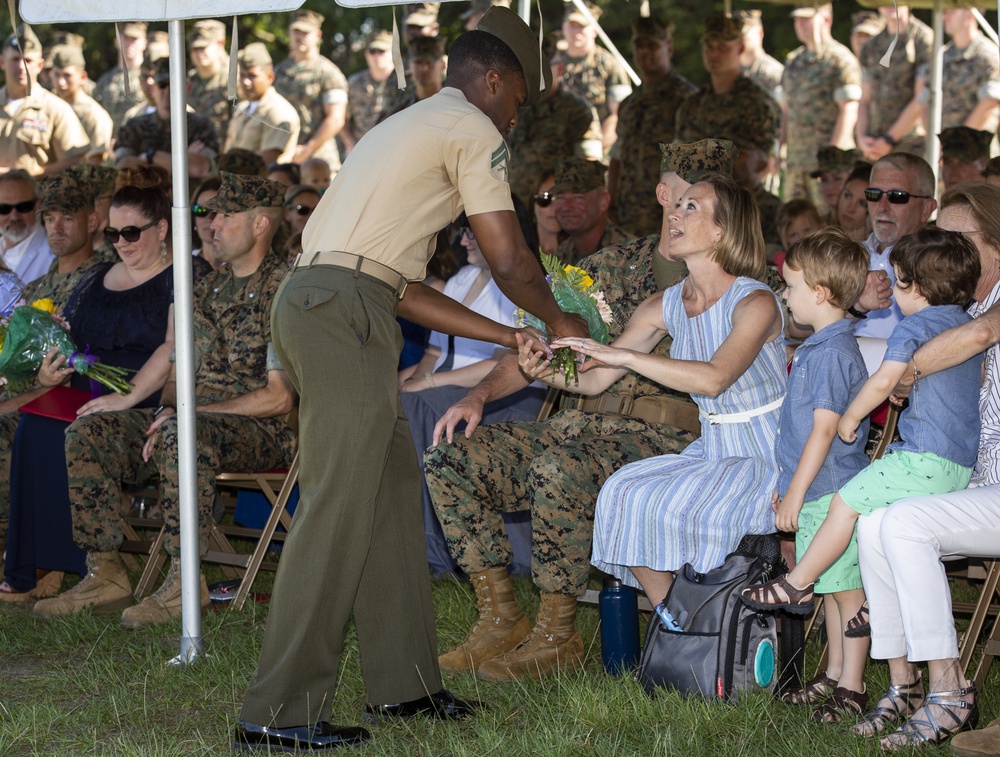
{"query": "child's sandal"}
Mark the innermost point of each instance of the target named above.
(816, 690)
(779, 594)
(859, 626)
(843, 703)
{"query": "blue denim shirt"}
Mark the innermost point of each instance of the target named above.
(827, 373)
(943, 414)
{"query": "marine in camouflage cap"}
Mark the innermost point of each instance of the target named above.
(306, 21)
(240, 193)
(867, 22)
(426, 48)
(651, 28)
(421, 14)
(575, 16)
(722, 28)
(64, 191)
(965, 143)
(243, 162)
(578, 176)
(64, 56)
(692, 161)
(379, 39)
(832, 159)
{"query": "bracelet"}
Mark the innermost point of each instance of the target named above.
(892, 142)
(856, 313)
(161, 408)
(916, 373)
(429, 378)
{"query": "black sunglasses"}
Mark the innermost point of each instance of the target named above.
(163, 84)
(544, 199)
(302, 210)
(22, 207)
(129, 233)
(895, 196)
(200, 211)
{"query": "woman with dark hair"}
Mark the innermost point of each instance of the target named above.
(123, 313)
(655, 515)
(202, 217)
(852, 208)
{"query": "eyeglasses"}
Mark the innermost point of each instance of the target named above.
(200, 211)
(163, 84)
(895, 196)
(129, 233)
(302, 210)
(22, 207)
(544, 199)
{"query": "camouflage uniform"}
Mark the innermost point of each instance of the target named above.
(309, 86)
(555, 467)
(596, 77)
(645, 119)
(892, 88)
(367, 100)
(814, 82)
(969, 75)
(559, 126)
(58, 286)
(232, 336)
(768, 205)
(766, 73)
(208, 97)
(566, 251)
(110, 93)
(152, 132)
(744, 112)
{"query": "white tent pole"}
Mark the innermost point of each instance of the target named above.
(932, 149)
(524, 11)
(581, 6)
(988, 30)
(192, 644)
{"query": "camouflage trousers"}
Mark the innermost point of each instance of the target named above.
(103, 450)
(8, 425)
(553, 468)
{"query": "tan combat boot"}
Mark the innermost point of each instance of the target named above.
(552, 643)
(165, 603)
(501, 625)
(105, 588)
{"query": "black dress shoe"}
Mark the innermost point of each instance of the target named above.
(442, 705)
(323, 735)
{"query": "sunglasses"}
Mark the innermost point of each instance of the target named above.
(200, 211)
(163, 84)
(129, 233)
(544, 199)
(302, 210)
(895, 196)
(22, 207)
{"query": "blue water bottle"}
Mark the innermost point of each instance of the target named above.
(619, 607)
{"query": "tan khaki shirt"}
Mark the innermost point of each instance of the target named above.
(43, 130)
(411, 176)
(96, 122)
(273, 125)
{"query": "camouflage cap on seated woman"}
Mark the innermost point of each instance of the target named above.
(694, 160)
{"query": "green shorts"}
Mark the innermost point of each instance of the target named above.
(844, 574)
(898, 475)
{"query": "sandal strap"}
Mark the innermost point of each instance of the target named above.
(841, 702)
(914, 729)
(900, 705)
(767, 593)
(810, 692)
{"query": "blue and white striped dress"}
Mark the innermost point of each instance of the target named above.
(696, 506)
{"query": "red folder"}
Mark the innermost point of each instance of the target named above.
(60, 402)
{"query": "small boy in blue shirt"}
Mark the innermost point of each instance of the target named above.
(936, 275)
(825, 274)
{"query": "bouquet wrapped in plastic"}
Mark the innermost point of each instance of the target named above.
(28, 335)
(575, 292)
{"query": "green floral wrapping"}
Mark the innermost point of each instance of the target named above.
(30, 334)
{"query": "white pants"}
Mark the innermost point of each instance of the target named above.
(901, 548)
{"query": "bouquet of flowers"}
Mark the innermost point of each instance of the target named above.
(575, 292)
(28, 335)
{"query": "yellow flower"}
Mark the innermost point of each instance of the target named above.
(581, 275)
(45, 304)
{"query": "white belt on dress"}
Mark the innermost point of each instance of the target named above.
(743, 417)
(355, 263)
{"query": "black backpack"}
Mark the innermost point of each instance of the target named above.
(724, 647)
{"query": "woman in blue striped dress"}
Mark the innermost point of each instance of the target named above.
(655, 515)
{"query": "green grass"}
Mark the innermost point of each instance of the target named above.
(85, 686)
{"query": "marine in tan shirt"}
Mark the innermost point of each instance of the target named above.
(39, 133)
(68, 76)
(264, 121)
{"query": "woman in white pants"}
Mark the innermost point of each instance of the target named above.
(901, 547)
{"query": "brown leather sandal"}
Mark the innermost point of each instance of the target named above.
(816, 690)
(843, 703)
(778, 594)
